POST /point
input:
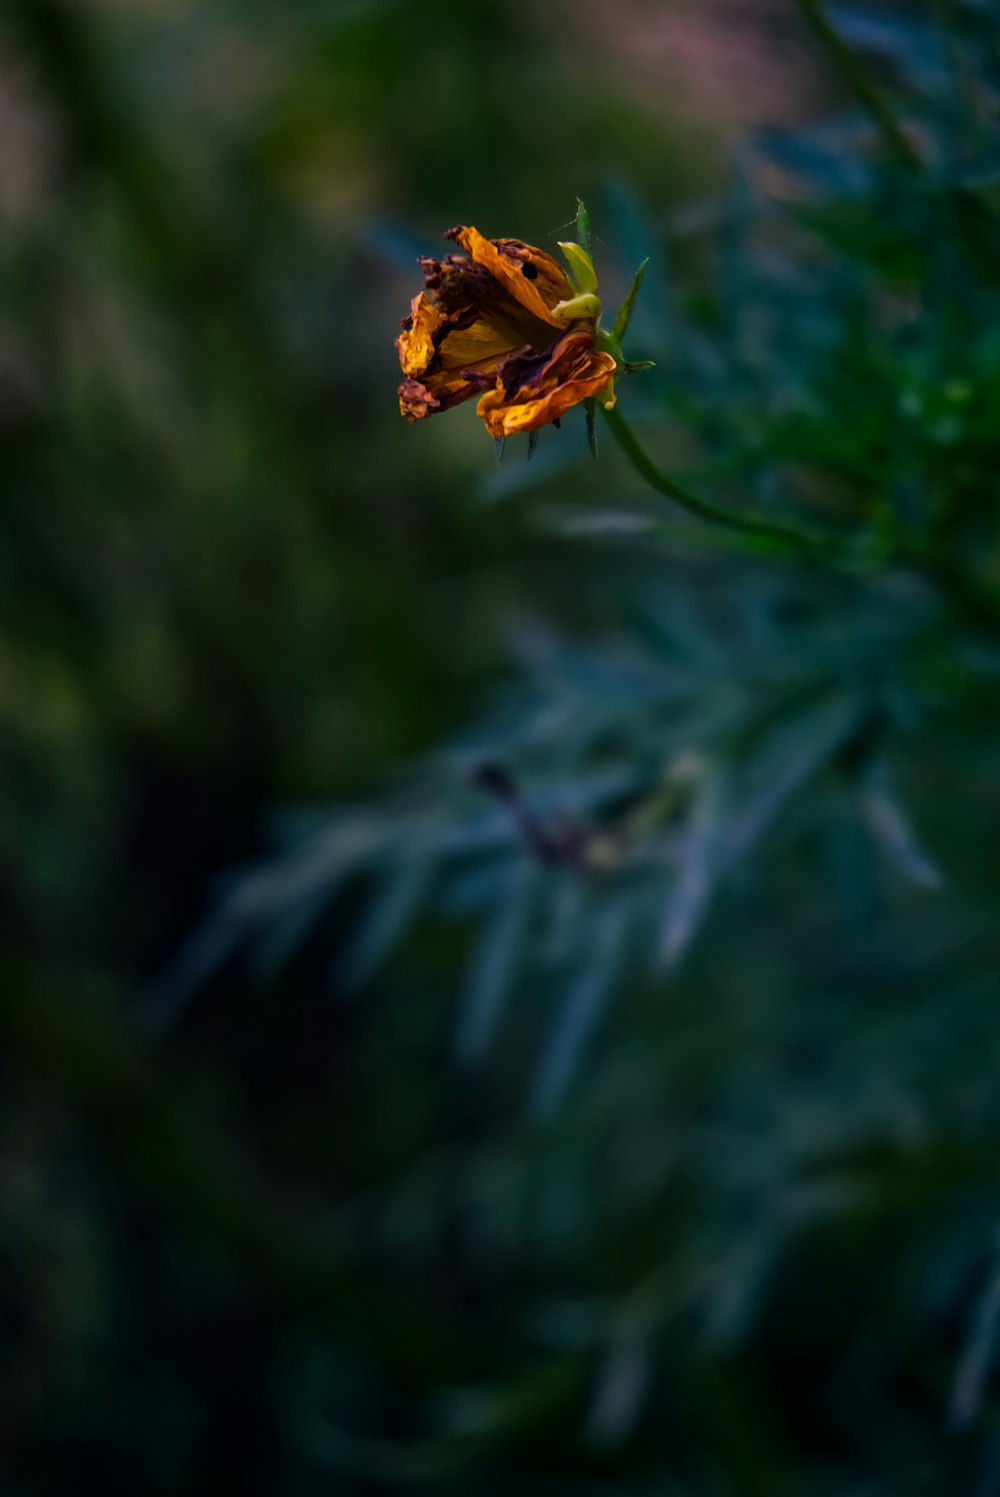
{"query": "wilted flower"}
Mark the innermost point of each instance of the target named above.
(505, 322)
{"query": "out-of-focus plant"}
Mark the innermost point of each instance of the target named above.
(748, 807)
(841, 388)
(710, 1187)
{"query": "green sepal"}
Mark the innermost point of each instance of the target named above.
(591, 413)
(581, 266)
(584, 305)
(624, 316)
(582, 226)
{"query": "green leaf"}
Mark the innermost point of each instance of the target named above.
(496, 962)
(697, 861)
(890, 829)
(386, 922)
(590, 988)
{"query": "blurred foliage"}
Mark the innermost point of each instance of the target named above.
(604, 1101)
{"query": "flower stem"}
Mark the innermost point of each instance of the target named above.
(977, 603)
(785, 533)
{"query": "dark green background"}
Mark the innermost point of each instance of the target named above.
(288, 1243)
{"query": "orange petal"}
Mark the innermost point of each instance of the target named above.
(529, 275)
(462, 291)
(533, 389)
(439, 388)
(472, 345)
(416, 342)
(445, 363)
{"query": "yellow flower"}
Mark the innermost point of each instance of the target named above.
(504, 322)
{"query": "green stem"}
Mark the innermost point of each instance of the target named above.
(786, 533)
(978, 604)
(858, 82)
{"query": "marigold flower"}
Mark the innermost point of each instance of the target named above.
(505, 322)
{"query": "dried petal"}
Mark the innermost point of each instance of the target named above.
(529, 275)
(535, 388)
